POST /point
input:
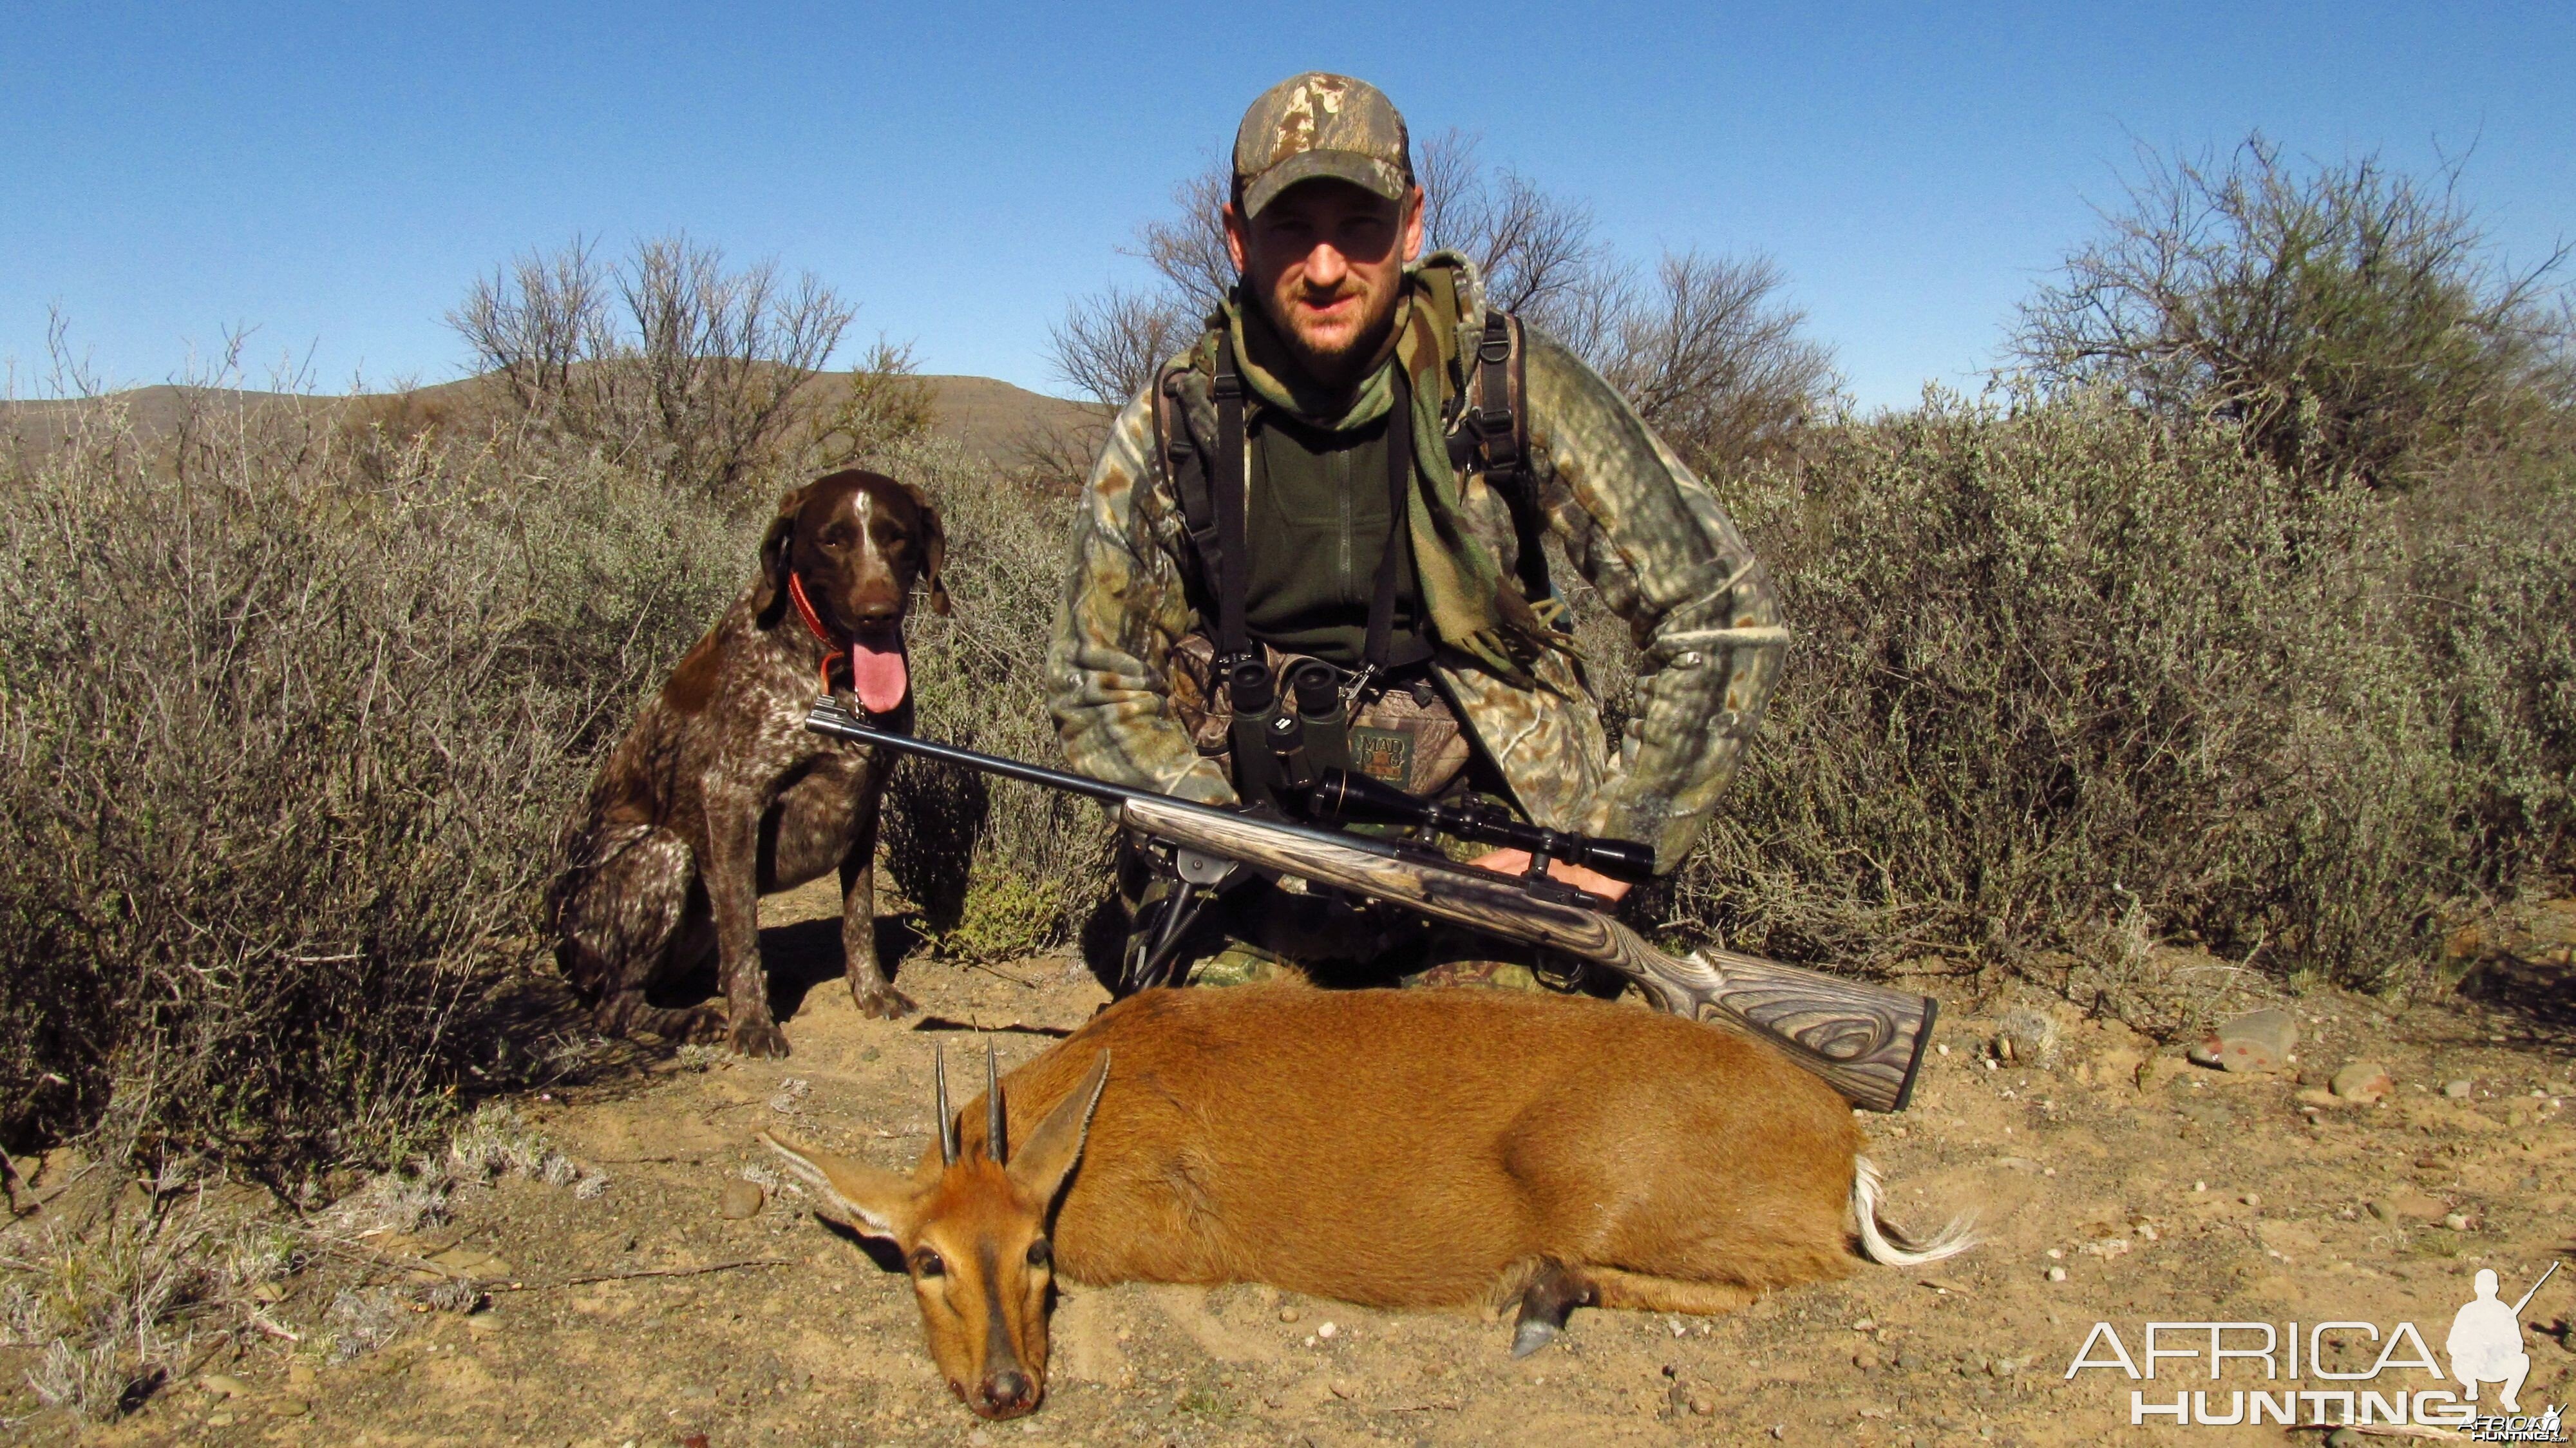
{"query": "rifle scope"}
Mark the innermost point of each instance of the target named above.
(1344, 797)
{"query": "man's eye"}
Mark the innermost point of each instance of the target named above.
(927, 1263)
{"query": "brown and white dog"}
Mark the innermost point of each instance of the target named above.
(718, 794)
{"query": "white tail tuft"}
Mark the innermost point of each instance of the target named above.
(1889, 1246)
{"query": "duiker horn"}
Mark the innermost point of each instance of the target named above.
(939, 1088)
(996, 1123)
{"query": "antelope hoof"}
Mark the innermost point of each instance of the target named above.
(759, 1038)
(1532, 1334)
(881, 1002)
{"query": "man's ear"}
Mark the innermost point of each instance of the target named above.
(1236, 236)
(768, 593)
(1413, 224)
(934, 547)
(880, 1203)
(1040, 1165)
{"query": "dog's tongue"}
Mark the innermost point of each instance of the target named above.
(878, 674)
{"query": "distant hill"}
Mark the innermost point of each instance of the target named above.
(985, 415)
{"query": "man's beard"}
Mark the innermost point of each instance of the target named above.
(1346, 358)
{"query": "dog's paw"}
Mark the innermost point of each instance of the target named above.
(759, 1038)
(882, 1002)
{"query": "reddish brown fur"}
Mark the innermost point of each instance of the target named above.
(1407, 1149)
(1429, 1148)
(718, 794)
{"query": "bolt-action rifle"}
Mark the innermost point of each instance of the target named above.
(1865, 1040)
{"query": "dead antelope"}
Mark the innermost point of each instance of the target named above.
(1408, 1149)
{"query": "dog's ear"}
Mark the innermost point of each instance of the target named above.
(934, 546)
(769, 591)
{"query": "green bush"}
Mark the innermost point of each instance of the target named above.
(2064, 676)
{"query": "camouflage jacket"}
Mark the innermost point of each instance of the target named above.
(1631, 519)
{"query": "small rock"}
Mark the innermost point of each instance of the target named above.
(2056, 1274)
(1865, 1360)
(2255, 1041)
(2457, 1221)
(289, 1408)
(1703, 1406)
(223, 1385)
(1346, 1388)
(2363, 1081)
(1327, 1330)
(980, 1439)
(1866, 1324)
(1287, 1314)
(2026, 1037)
(739, 1200)
(2252, 1199)
(2456, 1090)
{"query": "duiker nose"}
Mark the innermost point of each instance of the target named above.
(1009, 1391)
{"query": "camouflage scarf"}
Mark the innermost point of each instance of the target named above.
(1472, 606)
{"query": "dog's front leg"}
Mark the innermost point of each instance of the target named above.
(733, 901)
(874, 995)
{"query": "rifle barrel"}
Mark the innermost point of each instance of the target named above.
(828, 717)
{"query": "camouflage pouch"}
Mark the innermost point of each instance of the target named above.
(1408, 737)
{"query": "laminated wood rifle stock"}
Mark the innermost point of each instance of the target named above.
(1865, 1040)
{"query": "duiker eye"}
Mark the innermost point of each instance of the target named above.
(1040, 1254)
(928, 1263)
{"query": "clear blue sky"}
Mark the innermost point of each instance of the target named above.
(336, 175)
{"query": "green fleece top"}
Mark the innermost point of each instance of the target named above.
(1316, 526)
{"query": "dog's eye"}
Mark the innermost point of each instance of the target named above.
(1040, 1254)
(926, 1263)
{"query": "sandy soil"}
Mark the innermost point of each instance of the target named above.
(2156, 1190)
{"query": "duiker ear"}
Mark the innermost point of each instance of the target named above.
(880, 1203)
(1039, 1166)
(767, 594)
(934, 547)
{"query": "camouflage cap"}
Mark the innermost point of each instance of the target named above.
(1318, 124)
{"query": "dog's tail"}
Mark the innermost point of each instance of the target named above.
(1889, 1245)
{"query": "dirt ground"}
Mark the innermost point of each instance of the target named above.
(2122, 1186)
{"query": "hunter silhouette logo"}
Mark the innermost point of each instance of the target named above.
(2486, 1341)
(2484, 1348)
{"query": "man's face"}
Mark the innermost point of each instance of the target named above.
(1327, 258)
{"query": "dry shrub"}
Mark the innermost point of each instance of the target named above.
(2348, 318)
(2063, 673)
(674, 362)
(1001, 869)
(117, 1309)
(282, 740)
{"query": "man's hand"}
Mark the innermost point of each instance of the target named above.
(1516, 862)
